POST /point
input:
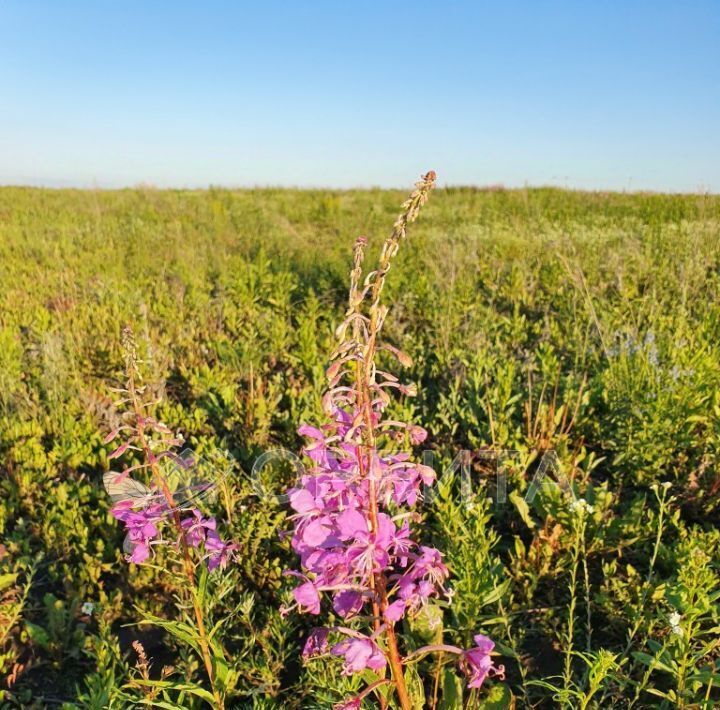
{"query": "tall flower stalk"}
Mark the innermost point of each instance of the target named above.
(352, 510)
(146, 510)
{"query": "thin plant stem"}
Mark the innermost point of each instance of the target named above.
(436, 681)
(588, 611)
(569, 647)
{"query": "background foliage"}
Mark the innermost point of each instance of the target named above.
(584, 323)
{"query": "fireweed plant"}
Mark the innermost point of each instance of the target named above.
(155, 514)
(353, 508)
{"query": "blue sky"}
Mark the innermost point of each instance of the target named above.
(622, 95)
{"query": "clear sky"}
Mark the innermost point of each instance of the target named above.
(622, 95)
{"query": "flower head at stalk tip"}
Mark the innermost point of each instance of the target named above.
(144, 510)
(580, 506)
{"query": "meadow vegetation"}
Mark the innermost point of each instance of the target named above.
(580, 329)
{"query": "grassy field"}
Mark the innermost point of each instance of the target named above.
(586, 324)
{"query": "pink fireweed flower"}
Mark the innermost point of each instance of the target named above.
(396, 610)
(348, 603)
(340, 552)
(370, 552)
(307, 598)
(429, 566)
(333, 535)
(477, 664)
(142, 527)
(417, 434)
(195, 528)
(218, 552)
(201, 532)
(198, 530)
(317, 643)
(359, 654)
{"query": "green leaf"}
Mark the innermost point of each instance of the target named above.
(522, 507)
(415, 687)
(183, 687)
(428, 624)
(651, 662)
(37, 634)
(499, 698)
(452, 691)
(655, 691)
(181, 631)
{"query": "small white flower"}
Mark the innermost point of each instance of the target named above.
(666, 485)
(581, 506)
(675, 626)
(87, 608)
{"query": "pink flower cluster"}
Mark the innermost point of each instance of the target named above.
(143, 529)
(349, 548)
(200, 531)
(357, 651)
(340, 550)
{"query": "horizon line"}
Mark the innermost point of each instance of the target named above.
(55, 185)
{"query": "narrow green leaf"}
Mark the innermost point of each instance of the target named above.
(522, 507)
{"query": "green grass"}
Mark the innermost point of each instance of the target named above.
(585, 323)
